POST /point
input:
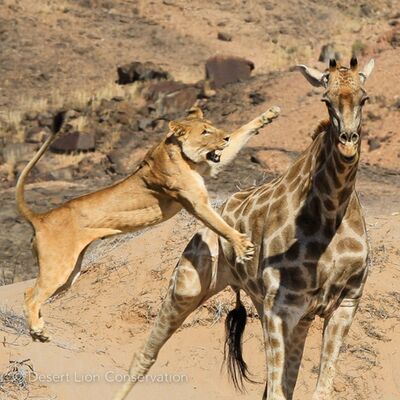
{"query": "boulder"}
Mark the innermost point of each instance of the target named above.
(170, 97)
(62, 174)
(225, 37)
(327, 53)
(137, 71)
(74, 141)
(373, 144)
(222, 70)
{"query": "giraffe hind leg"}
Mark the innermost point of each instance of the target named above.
(192, 283)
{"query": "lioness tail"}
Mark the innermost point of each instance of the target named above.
(23, 208)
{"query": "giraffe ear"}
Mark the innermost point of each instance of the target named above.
(366, 71)
(315, 77)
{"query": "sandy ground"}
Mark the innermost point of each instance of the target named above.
(99, 323)
(105, 317)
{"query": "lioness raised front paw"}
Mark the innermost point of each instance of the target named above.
(270, 114)
(244, 249)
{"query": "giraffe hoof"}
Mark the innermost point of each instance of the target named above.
(40, 336)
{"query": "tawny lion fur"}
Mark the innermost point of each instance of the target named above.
(169, 178)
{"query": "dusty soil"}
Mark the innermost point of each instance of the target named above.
(54, 54)
(105, 317)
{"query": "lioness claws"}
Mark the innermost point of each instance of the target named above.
(40, 336)
(244, 249)
(270, 114)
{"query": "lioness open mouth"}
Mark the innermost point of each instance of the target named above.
(214, 156)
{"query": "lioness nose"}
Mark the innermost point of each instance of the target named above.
(352, 137)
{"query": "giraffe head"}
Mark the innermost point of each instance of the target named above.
(344, 96)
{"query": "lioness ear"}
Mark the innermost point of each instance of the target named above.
(176, 128)
(195, 112)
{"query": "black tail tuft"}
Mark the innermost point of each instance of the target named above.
(234, 328)
(58, 121)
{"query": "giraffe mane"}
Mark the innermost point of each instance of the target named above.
(322, 127)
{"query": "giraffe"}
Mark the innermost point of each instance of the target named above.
(311, 252)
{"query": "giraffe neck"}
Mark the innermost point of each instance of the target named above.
(333, 179)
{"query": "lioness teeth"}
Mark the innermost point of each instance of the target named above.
(214, 156)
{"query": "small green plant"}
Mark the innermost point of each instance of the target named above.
(358, 48)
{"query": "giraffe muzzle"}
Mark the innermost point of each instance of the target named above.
(349, 137)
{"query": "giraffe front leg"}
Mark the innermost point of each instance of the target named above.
(275, 350)
(336, 328)
(195, 279)
(280, 322)
(294, 354)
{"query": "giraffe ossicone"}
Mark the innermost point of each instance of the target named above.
(310, 257)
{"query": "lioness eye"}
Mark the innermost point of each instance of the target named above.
(363, 100)
(205, 132)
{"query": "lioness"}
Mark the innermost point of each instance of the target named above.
(168, 179)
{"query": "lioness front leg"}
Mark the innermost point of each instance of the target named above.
(241, 136)
(202, 209)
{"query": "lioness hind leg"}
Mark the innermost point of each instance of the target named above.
(54, 272)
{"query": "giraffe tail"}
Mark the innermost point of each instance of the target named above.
(234, 327)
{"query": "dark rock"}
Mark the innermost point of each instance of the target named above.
(36, 135)
(177, 101)
(118, 99)
(254, 159)
(45, 119)
(138, 71)
(269, 6)
(327, 53)
(229, 109)
(225, 37)
(373, 144)
(222, 70)
(396, 105)
(31, 116)
(118, 163)
(62, 174)
(43, 76)
(372, 116)
(170, 97)
(156, 90)
(366, 10)
(256, 98)
(395, 39)
(74, 141)
(145, 123)
(70, 114)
